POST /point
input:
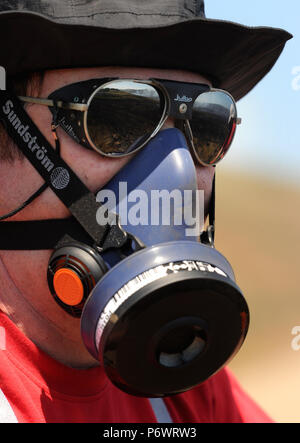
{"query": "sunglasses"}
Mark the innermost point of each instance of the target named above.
(117, 117)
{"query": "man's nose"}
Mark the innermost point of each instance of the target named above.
(169, 123)
(183, 126)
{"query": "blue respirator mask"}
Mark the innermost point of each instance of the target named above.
(158, 304)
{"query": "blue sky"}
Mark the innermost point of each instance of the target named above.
(268, 141)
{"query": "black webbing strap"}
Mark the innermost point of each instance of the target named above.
(57, 174)
(208, 236)
(35, 235)
(212, 207)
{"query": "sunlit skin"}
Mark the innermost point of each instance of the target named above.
(24, 293)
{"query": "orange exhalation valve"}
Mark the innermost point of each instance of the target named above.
(68, 287)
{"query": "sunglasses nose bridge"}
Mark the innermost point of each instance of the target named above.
(181, 97)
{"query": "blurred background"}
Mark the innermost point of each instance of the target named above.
(258, 213)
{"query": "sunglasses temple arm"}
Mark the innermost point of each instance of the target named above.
(50, 103)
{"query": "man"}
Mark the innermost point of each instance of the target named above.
(47, 373)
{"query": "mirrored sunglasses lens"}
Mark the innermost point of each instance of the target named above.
(213, 125)
(122, 116)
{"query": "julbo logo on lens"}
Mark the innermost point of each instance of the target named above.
(2, 78)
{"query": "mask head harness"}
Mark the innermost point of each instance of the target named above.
(160, 316)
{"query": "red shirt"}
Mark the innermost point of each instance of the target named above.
(39, 390)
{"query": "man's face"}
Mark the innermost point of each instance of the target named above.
(24, 292)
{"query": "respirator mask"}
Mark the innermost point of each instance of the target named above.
(158, 304)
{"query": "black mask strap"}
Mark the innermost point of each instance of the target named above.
(208, 236)
(35, 235)
(56, 173)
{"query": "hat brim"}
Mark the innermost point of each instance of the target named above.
(234, 56)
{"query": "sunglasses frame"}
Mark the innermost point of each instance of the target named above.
(178, 101)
